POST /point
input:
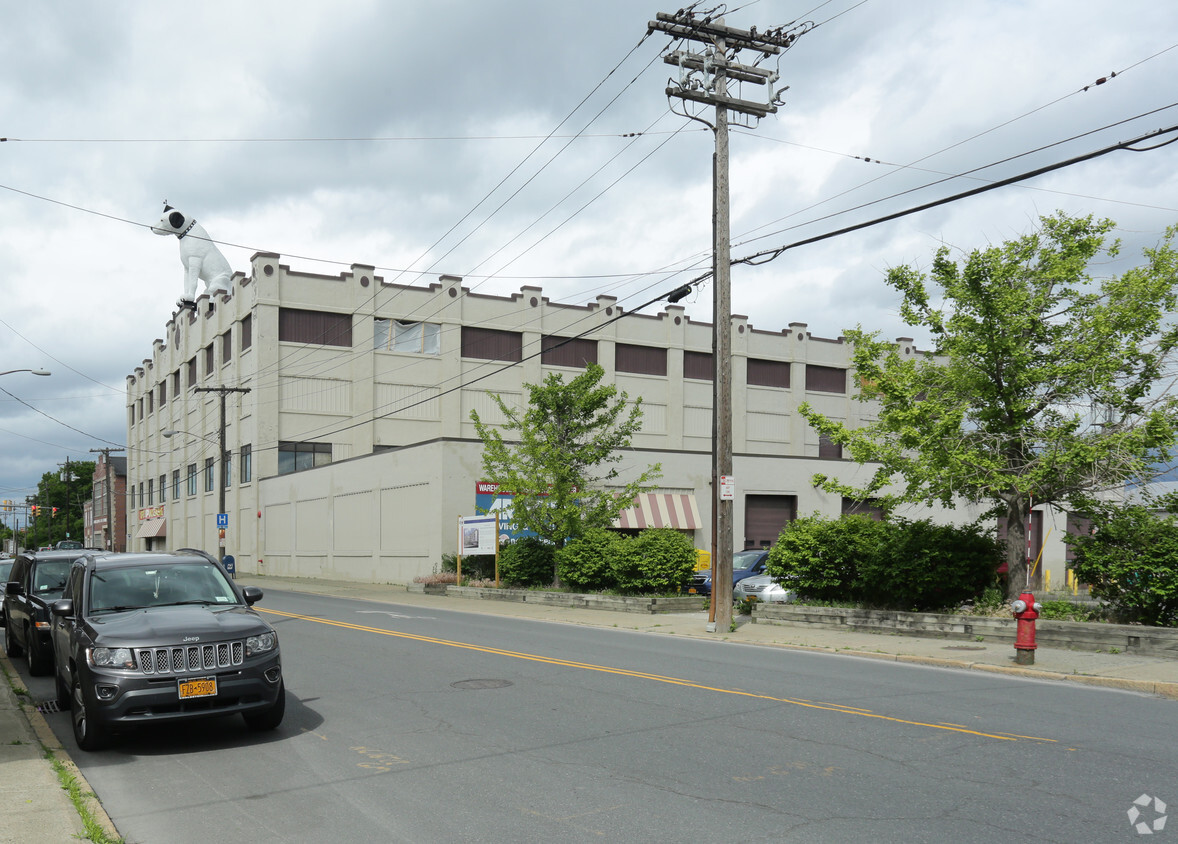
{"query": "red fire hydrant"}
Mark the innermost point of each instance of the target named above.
(1025, 611)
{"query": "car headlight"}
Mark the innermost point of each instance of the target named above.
(260, 644)
(112, 657)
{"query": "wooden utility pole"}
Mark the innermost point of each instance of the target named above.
(224, 473)
(703, 79)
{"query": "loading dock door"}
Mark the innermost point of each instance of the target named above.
(765, 516)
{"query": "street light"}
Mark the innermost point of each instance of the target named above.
(34, 371)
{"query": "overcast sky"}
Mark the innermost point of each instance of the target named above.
(389, 133)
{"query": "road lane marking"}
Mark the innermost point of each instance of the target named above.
(624, 672)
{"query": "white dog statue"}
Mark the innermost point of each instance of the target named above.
(199, 255)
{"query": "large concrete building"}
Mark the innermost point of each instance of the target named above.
(353, 453)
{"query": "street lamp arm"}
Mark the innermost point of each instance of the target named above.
(171, 432)
(34, 371)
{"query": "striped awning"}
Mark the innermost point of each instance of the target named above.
(661, 509)
(151, 528)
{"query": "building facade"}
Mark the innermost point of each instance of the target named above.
(106, 516)
(352, 455)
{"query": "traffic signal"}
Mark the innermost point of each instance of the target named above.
(54, 513)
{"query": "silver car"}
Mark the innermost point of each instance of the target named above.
(762, 587)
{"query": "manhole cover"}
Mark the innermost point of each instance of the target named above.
(963, 648)
(481, 684)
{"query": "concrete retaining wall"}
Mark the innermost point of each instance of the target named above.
(617, 603)
(1127, 638)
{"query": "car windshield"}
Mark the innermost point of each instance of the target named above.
(49, 577)
(743, 560)
(158, 585)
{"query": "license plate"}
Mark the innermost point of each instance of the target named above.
(691, 590)
(198, 687)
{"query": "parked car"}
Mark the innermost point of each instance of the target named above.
(5, 569)
(763, 587)
(156, 638)
(744, 564)
(36, 581)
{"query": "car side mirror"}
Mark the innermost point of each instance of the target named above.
(12, 587)
(252, 594)
(62, 608)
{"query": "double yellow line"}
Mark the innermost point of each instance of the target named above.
(658, 678)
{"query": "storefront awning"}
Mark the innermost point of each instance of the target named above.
(661, 509)
(151, 528)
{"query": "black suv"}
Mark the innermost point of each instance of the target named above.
(152, 638)
(36, 581)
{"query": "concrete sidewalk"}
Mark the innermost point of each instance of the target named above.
(37, 808)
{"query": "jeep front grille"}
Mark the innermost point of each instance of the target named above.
(187, 658)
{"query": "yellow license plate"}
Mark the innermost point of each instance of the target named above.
(691, 590)
(198, 687)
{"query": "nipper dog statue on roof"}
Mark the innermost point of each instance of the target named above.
(199, 255)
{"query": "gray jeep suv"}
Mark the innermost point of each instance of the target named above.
(150, 638)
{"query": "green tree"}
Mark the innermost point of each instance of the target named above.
(67, 496)
(1043, 383)
(570, 438)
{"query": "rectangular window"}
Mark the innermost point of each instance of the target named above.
(227, 471)
(567, 351)
(295, 457)
(210, 473)
(141, 498)
(176, 383)
(131, 416)
(419, 338)
(208, 360)
(643, 360)
(247, 456)
(226, 347)
(150, 493)
(192, 373)
(163, 392)
(492, 344)
(698, 365)
(164, 488)
(767, 373)
(826, 379)
(247, 331)
(829, 448)
(175, 484)
(139, 406)
(318, 328)
(150, 401)
(192, 479)
(869, 507)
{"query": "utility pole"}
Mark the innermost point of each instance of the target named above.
(110, 494)
(223, 391)
(703, 80)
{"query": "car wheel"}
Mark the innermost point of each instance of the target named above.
(39, 662)
(10, 646)
(268, 719)
(88, 733)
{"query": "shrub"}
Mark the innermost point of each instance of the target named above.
(927, 566)
(585, 563)
(1131, 561)
(477, 566)
(667, 559)
(821, 557)
(526, 562)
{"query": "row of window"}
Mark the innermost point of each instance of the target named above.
(147, 489)
(145, 405)
(329, 329)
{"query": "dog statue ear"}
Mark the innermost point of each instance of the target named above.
(175, 219)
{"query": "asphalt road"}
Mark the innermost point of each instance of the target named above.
(412, 725)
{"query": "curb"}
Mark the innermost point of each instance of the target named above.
(55, 749)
